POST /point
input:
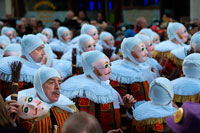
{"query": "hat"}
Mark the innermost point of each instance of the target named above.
(129, 33)
(88, 58)
(60, 31)
(186, 119)
(87, 27)
(48, 30)
(41, 36)
(5, 29)
(127, 45)
(103, 36)
(143, 38)
(195, 40)
(14, 47)
(147, 32)
(40, 77)
(161, 91)
(4, 41)
(191, 66)
(83, 38)
(171, 31)
(29, 43)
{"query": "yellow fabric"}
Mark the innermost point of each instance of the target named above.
(158, 55)
(150, 121)
(175, 60)
(182, 99)
(74, 108)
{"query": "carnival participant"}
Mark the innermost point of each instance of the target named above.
(150, 116)
(177, 56)
(63, 45)
(187, 88)
(154, 65)
(32, 53)
(107, 42)
(156, 38)
(86, 43)
(13, 50)
(93, 32)
(49, 34)
(7, 31)
(4, 42)
(39, 117)
(130, 76)
(92, 92)
(177, 35)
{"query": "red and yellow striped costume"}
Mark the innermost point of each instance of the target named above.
(44, 124)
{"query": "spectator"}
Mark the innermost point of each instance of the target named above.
(85, 122)
(141, 23)
(56, 24)
(186, 120)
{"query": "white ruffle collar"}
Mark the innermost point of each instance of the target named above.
(180, 53)
(150, 110)
(64, 67)
(82, 86)
(166, 46)
(126, 72)
(186, 86)
(62, 102)
(26, 73)
(68, 56)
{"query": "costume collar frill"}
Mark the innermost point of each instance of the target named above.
(75, 40)
(26, 73)
(82, 86)
(153, 64)
(126, 72)
(150, 113)
(99, 46)
(1, 53)
(186, 89)
(165, 47)
(68, 56)
(63, 102)
(63, 66)
(59, 46)
(178, 55)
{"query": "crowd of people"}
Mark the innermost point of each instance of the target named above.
(86, 76)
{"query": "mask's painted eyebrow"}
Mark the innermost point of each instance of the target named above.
(106, 62)
(22, 107)
(26, 98)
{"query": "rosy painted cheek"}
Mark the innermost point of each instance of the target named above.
(150, 49)
(31, 112)
(89, 49)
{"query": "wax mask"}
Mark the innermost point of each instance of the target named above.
(102, 68)
(37, 54)
(47, 34)
(139, 52)
(109, 41)
(31, 108)
(196, 48)
(156, 39)
(182, 34)
(88, 45)
(94, 34)
(67, 36)
(150, 48)
(9, 34)
(9, 53)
